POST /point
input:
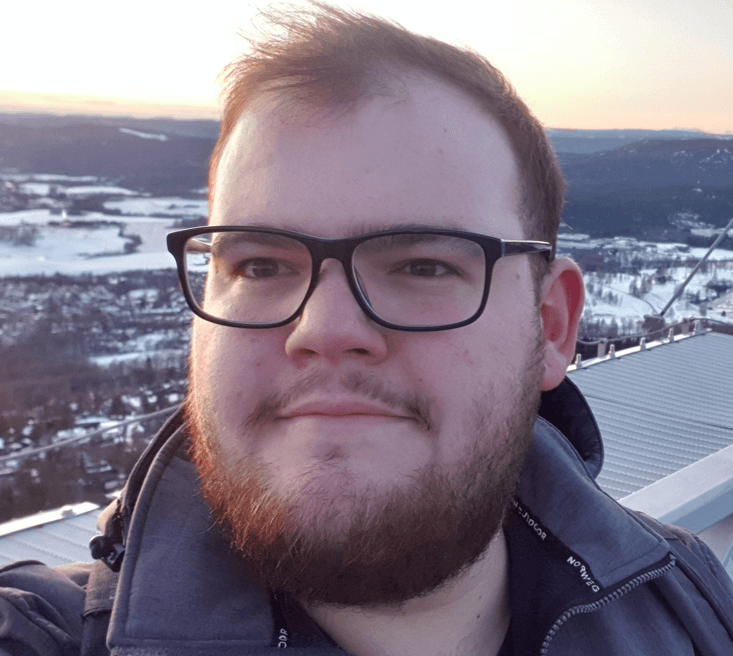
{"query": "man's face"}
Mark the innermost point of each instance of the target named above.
(333, 433)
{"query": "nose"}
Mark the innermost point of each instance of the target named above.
(333, 326)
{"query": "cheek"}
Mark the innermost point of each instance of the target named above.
(446, 372)
(481, 361)
(229, 366)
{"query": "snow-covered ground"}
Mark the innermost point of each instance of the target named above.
(74, 250)
(144, 135)
(137, 357)
(98, 190)
(47, 177)
(64, 260)
(178, 207)
(645, 250)
(624, 298)
(625, 305)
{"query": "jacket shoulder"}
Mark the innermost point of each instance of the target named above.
(691, 551)
(699, 580)
(41, 608)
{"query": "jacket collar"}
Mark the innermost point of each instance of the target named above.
(570, 544)
(179, 586)
(568, 515)
(565, 408)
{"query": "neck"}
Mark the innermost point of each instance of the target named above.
(469, 615)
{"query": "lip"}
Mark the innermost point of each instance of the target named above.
(345, 408)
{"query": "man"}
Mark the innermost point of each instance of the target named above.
(379, 318)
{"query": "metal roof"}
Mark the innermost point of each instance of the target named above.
(660, 409)
(54, 537)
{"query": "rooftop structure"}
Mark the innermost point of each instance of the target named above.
(665, 411)
(660, 407)
(53, 537)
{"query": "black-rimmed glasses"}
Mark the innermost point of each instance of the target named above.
(409, 279)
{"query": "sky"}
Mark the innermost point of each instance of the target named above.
(584, 64)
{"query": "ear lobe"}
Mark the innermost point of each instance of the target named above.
(563, 296)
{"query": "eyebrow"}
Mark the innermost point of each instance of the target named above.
(360, 228)
(456, 244)
(367, 227)
(228, 240)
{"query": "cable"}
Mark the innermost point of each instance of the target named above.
(676, 294)
(100, 431)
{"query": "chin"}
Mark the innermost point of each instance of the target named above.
(336, 538)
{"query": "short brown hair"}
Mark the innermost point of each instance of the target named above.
(327, 57)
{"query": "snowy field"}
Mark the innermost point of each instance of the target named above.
(47, 177)
(71, 249)
(74, 250)
(177, 207)
(642, 249)
(624, 299)
(624, 306)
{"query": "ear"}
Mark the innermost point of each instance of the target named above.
(563, 296)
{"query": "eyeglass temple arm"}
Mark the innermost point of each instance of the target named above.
(198, 246)
(521, 246)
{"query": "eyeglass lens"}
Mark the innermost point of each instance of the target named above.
(407, 279)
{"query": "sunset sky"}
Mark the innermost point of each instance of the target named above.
(578, 63)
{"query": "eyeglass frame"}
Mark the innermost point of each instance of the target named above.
(321, 249)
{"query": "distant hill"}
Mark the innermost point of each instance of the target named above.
(185, 128)
(653, 188)
(159, 156)
(646, 183)
(593, 141)
(654, 163)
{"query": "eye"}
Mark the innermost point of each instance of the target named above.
(264, 267)
(426, 268)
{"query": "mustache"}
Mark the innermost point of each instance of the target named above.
(413, 404)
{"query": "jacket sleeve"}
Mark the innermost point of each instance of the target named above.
(41, 608)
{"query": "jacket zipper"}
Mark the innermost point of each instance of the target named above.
(618, 592)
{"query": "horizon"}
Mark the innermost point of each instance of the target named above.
(60, 105)
(579, 64)
(63, 104)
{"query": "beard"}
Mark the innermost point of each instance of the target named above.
(370, 547)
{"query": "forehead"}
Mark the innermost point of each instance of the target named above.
(426, 155)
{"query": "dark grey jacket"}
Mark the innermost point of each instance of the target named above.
(587, 576)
